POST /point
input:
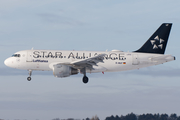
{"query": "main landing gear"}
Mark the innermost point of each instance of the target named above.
(85, 78)
(30, 73)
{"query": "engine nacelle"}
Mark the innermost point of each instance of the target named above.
(63, 70)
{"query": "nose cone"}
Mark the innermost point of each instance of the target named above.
(7, 62)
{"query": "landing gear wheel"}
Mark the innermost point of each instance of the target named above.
(30, 73)
(29, 78)
(85, 79)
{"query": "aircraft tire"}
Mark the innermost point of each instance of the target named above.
(85, 79)
(29, 78)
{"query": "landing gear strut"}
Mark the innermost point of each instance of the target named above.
(30, 73)
(85, 78)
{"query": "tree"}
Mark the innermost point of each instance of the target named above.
(110, 118)
(56, 119)
(95, 118)
(70, 119)
(164, 117)
(157, 116)
(131, 116)
(173, 117)
(117, 118)
(87, 118)
(178, 118)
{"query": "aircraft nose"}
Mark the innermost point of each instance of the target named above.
(7, 62)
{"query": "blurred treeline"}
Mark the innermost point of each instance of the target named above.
(133, 116)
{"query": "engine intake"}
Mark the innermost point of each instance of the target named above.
(63, 70)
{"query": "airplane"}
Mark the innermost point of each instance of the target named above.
(66, 63)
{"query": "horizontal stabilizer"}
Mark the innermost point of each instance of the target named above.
(163, 58)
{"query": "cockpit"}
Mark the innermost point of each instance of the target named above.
(16, 55)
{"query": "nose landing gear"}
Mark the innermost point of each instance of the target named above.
(30, 73)
(29, 78)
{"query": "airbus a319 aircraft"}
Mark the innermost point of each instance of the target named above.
(66, 63)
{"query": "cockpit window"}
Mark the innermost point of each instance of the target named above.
(16, 55)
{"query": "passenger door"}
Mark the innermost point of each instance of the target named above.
(29, 56)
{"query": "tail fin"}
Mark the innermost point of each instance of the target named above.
(158, 41)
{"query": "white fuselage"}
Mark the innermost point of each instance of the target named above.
(43, 60)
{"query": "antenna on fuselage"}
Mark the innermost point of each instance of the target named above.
(32, 48)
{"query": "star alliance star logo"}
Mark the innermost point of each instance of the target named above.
(157, 42)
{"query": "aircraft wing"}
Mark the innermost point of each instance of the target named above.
(88, 63)
(83, 63)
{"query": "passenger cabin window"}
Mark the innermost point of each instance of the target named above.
(16, 55)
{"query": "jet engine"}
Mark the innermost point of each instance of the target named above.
(60, 70)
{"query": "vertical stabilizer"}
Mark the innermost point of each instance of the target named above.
(158, 41)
